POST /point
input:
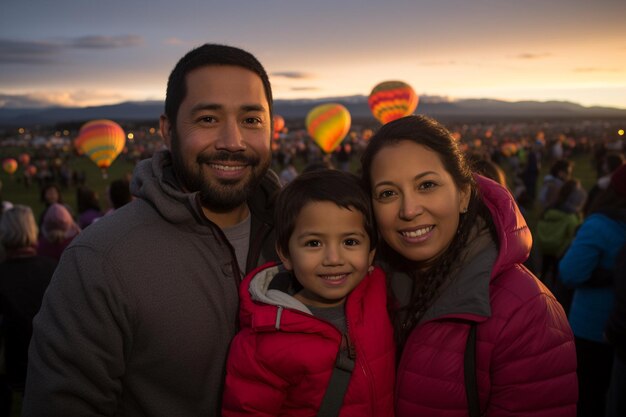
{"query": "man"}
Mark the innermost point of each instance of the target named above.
(142, 308)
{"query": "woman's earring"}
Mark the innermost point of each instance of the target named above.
(464, 210)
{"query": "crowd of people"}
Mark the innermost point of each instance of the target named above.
(232, 283)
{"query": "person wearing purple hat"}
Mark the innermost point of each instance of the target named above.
(596, 246)
(57, 231)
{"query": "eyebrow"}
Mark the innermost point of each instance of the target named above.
(417, 177)
(214, 106)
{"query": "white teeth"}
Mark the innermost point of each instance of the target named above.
(226, 168)
(418, 232)
(333, 277)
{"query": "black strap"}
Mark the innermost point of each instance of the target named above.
(469, 367)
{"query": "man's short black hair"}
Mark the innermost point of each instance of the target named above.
(341, 188)
(206, 55)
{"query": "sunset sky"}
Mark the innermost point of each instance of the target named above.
(91, 52)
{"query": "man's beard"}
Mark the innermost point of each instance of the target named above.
(218, 194)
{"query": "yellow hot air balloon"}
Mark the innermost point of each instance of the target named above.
(102, 141)
(391, 100)
(328, 124)
(9, 165)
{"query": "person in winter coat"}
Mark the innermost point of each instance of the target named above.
(557, 226)
(142, 308)
(315, 339)
(596, 245)
(58, 230)
(478, 333)
(24, 276)
(560, 171)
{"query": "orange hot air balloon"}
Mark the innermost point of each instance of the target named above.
(391, 100)
(9, 165)
(328, 124)
(31, 170)
(279, 125)
(102, 141)
(24, 159)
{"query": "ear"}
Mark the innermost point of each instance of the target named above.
(370, 259)
(284, 259)
(464, 198)
(166, 130)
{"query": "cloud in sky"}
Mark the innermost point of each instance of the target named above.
(15, 51)
(105, 42)
(304, 89)
(27, 52)
(532, 55)
(77, 98)
(295, 75)
(596, 69)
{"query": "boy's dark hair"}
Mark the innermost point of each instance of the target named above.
(206, 55)
(342, 188)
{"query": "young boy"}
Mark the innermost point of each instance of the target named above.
(315, 337)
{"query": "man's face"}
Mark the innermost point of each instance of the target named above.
(221, 142)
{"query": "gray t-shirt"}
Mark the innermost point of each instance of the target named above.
(239, 237)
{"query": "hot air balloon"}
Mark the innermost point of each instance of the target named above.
(391, 100)
(102, 141)
(328, 124)
(24, 159)
(279, 125)
(9, 165)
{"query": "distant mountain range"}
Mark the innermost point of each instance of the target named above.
(437, 107)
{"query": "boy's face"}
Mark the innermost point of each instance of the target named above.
(329, 253)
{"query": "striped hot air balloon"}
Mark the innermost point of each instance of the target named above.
(391, 100)
(328, 124)
(102, 141)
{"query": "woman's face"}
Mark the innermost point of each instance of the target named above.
(416, 202)
(51, 195)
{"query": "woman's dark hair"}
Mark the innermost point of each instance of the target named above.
(45, 188)
(428, 280)
(342, 188)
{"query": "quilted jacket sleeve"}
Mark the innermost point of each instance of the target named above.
(533, 367)
(251, 388)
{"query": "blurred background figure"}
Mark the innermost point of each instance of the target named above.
(487, 168)
(594, 249)
(118, 194)
(57, 231)
(556, 229)
(610, 163)
(88, 206)
(24, 277)
(560, 171)
(288, 174)
(50, 194)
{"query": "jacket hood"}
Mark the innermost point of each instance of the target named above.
(260, 290)
(514, 235)
(155, 182)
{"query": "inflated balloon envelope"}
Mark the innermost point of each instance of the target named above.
(102, 141)
(9, 165)
(391, 100)
(328, 124)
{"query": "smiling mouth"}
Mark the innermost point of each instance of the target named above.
(334, 277)
(418, 232)
(227, 167)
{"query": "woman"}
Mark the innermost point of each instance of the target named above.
(24, 277)
(595, 248)
(453, 246)
(57, 231)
